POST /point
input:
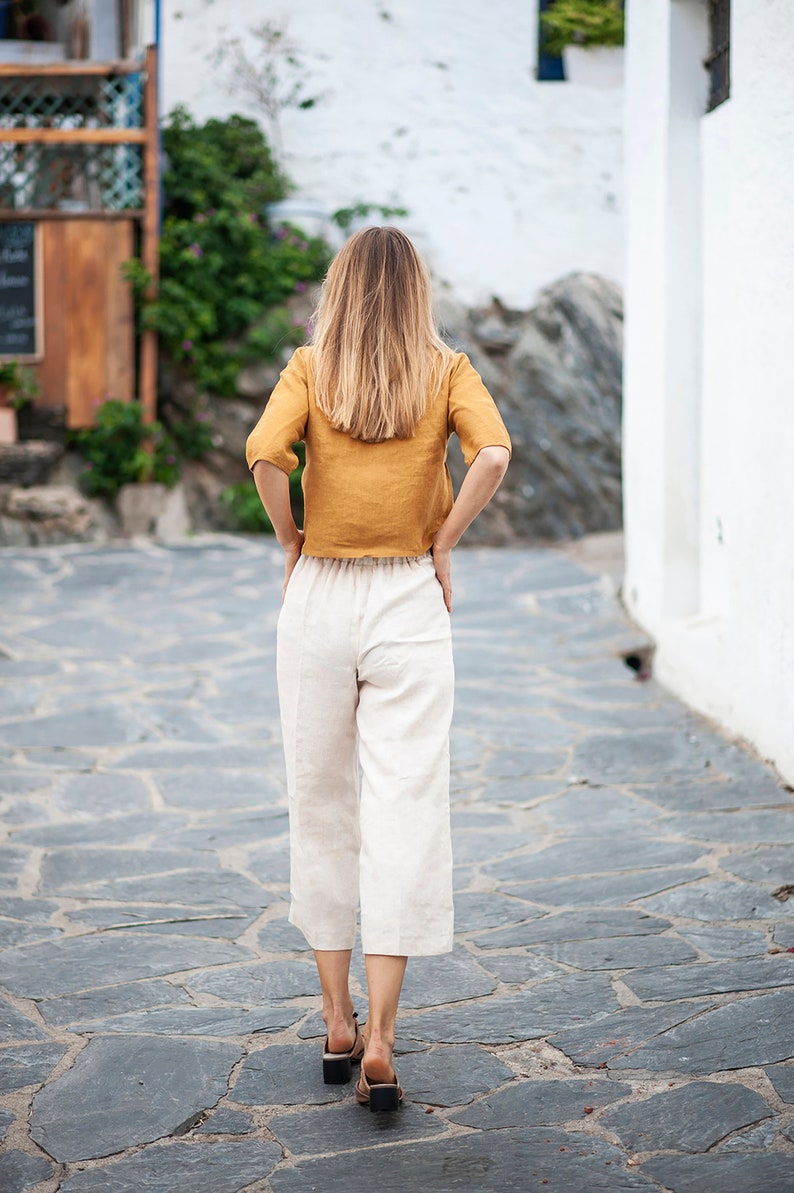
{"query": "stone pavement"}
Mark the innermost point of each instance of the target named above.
(618, 1013)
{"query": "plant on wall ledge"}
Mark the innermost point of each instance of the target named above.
(582, 23)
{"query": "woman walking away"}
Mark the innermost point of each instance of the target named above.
(365, 672)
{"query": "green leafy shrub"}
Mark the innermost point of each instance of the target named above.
(225, 273)
(19, 384)
(583, 23)
(121, 449)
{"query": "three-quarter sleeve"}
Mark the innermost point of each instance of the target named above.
(283, 420)
(472, 412)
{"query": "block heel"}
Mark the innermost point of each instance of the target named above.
(338, 1066)
(384, 1097)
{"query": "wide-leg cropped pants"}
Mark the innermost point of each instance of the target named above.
(366, 682)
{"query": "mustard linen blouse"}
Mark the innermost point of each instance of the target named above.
(376, 499)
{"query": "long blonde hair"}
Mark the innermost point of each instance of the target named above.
(378, 356)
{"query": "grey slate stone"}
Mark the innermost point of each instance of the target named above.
(581, 811)
(20, 1171)
(605, 890)
(202, 789)
(182, 1168)
(758, 1138)
(711, 977)
(123, 1092)
(17, 907)
(621, 1033)
(82, 963)
(286, 1075)
(15, 1027)
(189, 888)
(116, 830)
(68, 871)
(6, 1119)
(320, 1129)
(716, 900)
(479, 909)
(27, 1064)
(257, 984)
(605, 855)
(722, 943)
(729, 1173)
(540, 1103)
(447, 978)
(518, 968)
(691, 1118)
(612, 758)
(94, 725)
(111, 1000)
(782, 1078)
(525, 764)
(573, 925)
(220, 922)
(13, 933)
(12, 861)
(451, 1076)
(761, 825)
(488, 1162)
(621, 952)
(101, 794)
(279, 936)
(752, 1031)
(197, 1021)
(211, 757)
(227, 1122)
(509, 1018)
(773, 865)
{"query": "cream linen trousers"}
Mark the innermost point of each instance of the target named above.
(366, 682)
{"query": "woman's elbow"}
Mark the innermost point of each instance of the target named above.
(494, 460)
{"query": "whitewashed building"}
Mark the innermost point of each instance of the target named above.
(709, 371)
(432, 105)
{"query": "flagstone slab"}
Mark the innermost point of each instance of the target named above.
(178, 921)
(581, 811)
(758, 1138)
(509, 1018)
(488, 1162)
(452, 1076)
(27, 1064)
(711, 977)
(447, 978)
(102, 794)
(729, 1173)
(594, 855)
(330, 1128)
(196, 1021)
(280, 936)
(541, 1103)
(15, 1027)
(226, 1121)
(714, 793)
(111, 1000)
(182, 1168)
(519, 968)
(69, 871)
(574, 925)
(286, 1075)
(621, 758)
(207, 788)
(621, 952)
(782, 1078)
(622, 1033)
(605, 890)
(115, 830)
(12, 861)
(6, 1119)
(771, 864)
(758, 1030)
(691, 1118)
(766, 826)
(715, 901)
(13, 933)
(723, 943)
(94, 725)
(188, 888)
(122, 1092)
(86, 962)
(257, 984)
(20, 1171)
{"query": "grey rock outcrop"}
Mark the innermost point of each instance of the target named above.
(44, 514)
(555, 372)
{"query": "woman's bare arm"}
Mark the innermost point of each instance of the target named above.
(479, 485)
(272, 485)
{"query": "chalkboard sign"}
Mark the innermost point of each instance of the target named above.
(18, 289)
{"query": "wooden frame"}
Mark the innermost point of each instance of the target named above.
(38, 297)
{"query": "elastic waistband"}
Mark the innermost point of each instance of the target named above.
(370, 561)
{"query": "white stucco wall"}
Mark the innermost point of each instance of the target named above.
(708, 424)
(433, 105)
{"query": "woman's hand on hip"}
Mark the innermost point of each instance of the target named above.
(292, 553)
(442, 562)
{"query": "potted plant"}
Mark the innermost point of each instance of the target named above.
(18, 387)
(589, 35)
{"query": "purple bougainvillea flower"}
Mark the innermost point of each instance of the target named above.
(202, 416)
(300, 287)
(170, 459)
(196, 250)
(187, 345)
